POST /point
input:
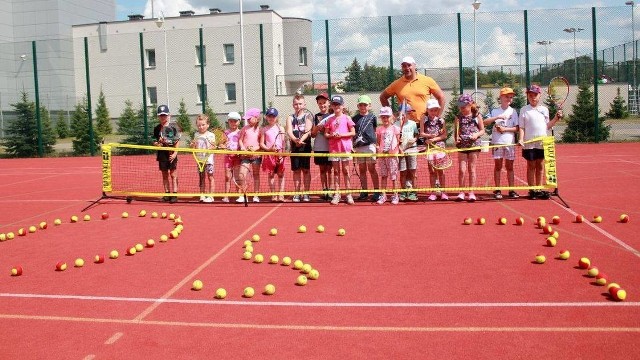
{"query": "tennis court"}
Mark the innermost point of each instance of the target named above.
(406, 281)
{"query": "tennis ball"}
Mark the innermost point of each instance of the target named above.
(179, 228)
(555, 220)
(579, 219)
(584, 263)
(151, 243)
(249, 249)
(246, 243)
(597, 219)
(624, 218)
(618, 294)
(142, 213)
(302, 229)
(592, 271)
(273, 232)
(301, 280)
(197, 285)
(22, 232)
(43, 225)
(320, 229)
(154, 215)
(10, 236)
(163, 215)
(273, 259)
(551, 241)
(519, 221)
(547, 229)
(74, 219)
(564, 254)
(246, 255)
(98, 259)
(258, 258)
(541, 220)
(314, 274)
(467, 221)
(173, 234)
(114, 254)
(16, 271)
(612, 286)
(502, 221)
(221, 293)
(131, 251)
(556, 235)
(171, 216)
(248, 292)
(79, 262)
(32, 229)
(57, 222)
(164, 238)
(269, 289)
(306, 268)
(61, 266)
(3, 237)
(104, 216)
(341, 232)
(125, 215)
(601, 279)
(286, 261)
(139, 247)
(255, 238)
(87, 217)
(298, 264)
(481, 221)
(540, 258)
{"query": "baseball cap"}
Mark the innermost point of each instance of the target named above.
(405, 108)
(163, 110)
(271, 112)
(432, 104)
(534, 89)
(322, 95)
(253, 112)
(234, 115)
(385, 111)
(408, 60)
(337, 99)
(364, 99)
(506, 91)
(465, 99)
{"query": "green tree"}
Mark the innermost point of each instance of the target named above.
(81, 131)
(103, 121)
(62, 128)
(376, 77)
(550, 103)
(618, 108)
(580, 126)
(135, 130)
(354, 81)
(213, 118)
(127, 119)
(519, 99)
(22, 133)
(183, 120)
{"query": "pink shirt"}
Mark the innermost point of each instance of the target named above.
(232, 139)
(250, 137)
(271, 140)
(341, 125)
(388, 138)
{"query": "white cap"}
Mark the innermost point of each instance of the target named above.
(433, 103)
(233, 115)
(408, 60)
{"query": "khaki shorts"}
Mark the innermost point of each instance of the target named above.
(366, 149)
(408, 162)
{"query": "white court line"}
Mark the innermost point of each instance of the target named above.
(324, 304)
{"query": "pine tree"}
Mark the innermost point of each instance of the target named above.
(103, 121)
(452, 111)
(22, 133)
(127, 119)
(80, 130)
(354, 81)
(618, 109)
(550, 103)
(580, 126)
(183, 120)
(62, 129)
(519, 99)
(213, 118)
(135, 128)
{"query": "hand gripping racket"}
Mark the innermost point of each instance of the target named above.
(438, 158)
(242, 177)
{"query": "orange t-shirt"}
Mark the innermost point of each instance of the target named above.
(416, 91)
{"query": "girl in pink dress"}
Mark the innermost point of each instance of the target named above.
(388, 139)
(272, 139)
(339, 130)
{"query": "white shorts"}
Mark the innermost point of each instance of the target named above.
(408, 162)
(504, 152)
(366, 149)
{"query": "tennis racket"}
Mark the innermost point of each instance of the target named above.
(354, 177)
(438, 158)
(201, 142)
(169, 134)
(221, 138)
(558, 91)
(243, 178)
(279, 145)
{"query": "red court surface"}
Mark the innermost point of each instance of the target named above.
(407, 281)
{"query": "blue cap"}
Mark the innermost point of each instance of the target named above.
(337, 99)
(163, 110)
(271, 112)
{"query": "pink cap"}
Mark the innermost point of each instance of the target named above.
(253, 112)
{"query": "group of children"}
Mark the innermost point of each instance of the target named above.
(340, 137)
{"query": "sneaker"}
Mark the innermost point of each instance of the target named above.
(305, 198)
(497, 194)
(350, 199)
(394, 199)
(472, 197)
(412, 196)
(381, 199)
(460, 197)
(256, 199)
(544, 195)
(166, 198)
(281, 198)
(240, 199)
(513, 194)
(225, 199)
(376, 196)
(296, 198)
(444, 196)
(336, 199)
(363, 196)
(202, 198)
(532, 195)
(173, 199)
(433, 197)
(403, 196)
(208, 199)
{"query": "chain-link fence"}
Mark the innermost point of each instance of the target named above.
(202, 62)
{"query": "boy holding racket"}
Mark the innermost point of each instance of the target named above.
(272, 140)
(205, 139)
(534, 122)
(339, 130)
(505, 120)
(407, 122)
(299, 126)
(167, 159)
(364, 142)
(434, 133)
(320, 143)
(231, 160)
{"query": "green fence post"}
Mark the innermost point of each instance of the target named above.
(595, 74)
(526, 48)
(326, 36)
(92, 143)
(460, 69)
(144, 92)
(262, 76)
(203, 87)
(37, 98)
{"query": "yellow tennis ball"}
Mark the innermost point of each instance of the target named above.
(564, 254)
(556, 235)
(197, 285)
(269, 289)
(142, 213)
(302, 229)
(258, 258)
(306, 268)
(249, 249)
(163, 215)
(32, 229)
(551, 241)
(79, 262)
(154, 215)
(314, 274)
(172, 216)
(43, 225)
(114, 254)
(87, 217)
(540, 259)
(74, 219)
(273, 259)
(221, 293)
(10, 236)
(248, 292)
(3, 237)
(164, 238)
(341, 232)
(320, 229)
(151, 243)
(298, 264)
(301, 280)
(286, 261)
(139, 247)
(273, 232)
(255, 238)
(246, 243)
(246, 255)
(57, 222)
(125, 215)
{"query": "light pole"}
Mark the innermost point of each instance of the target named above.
(575, 56)
(633, 43)
(476, 6)
(519, 55)
(546, 55)
(160, 22)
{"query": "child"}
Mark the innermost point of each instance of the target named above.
(534, 122)
(167, 160)
(506, 126)
(299, 126)
(231, 160)
(365, 143)
(388, 138)
(320, 143)
(270, 141)
(469, 129)
(339, 130)
(408, 139)
(249, 140)
(434, 132)
(205, 139)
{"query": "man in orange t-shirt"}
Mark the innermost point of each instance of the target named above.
(415, 88)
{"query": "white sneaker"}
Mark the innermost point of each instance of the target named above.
(382, 199)
(225, 199)
(305, 198)
(444, 196)
(296, 198)
(460, 197)
(208, 199)
(395, 199)
(202, 198)
(256, 199)
(432, 197)
(336, 199)
(350, 200)
(240, 199)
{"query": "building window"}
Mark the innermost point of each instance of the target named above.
(229, 55)
(303, 56)
(202, 51)
(279, 54)
(202, 97)
(151, 58)
(152, 95)
(230, 91)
